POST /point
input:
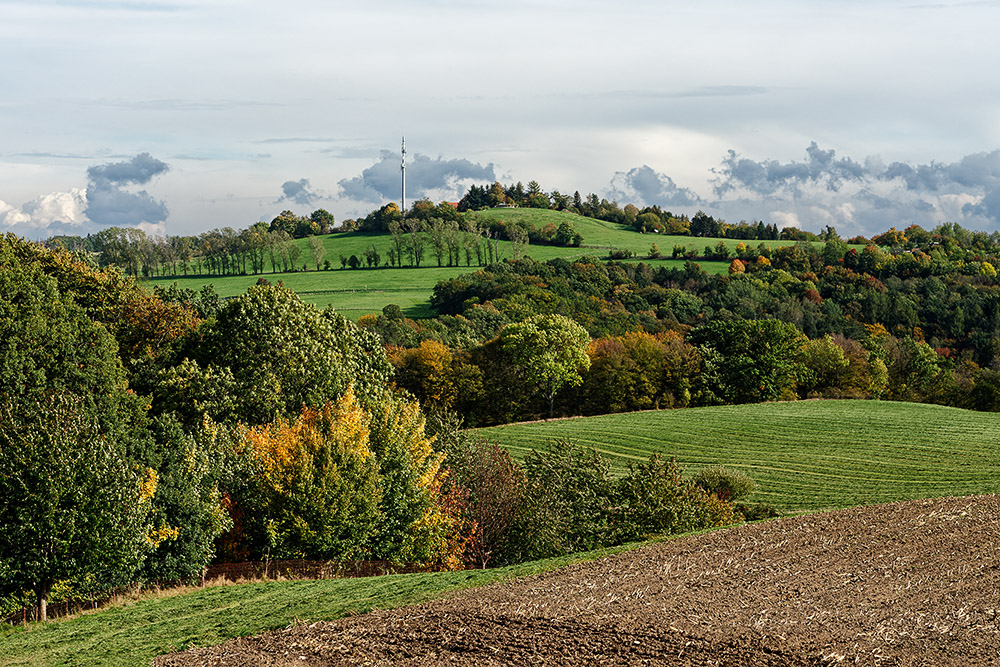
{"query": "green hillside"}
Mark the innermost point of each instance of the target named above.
(806, 455)
(601, 235)
(360, 291)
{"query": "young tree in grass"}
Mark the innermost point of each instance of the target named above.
(317, 249)
(550, 352)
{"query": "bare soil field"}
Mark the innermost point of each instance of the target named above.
(913, 583)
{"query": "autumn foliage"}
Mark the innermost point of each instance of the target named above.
(345, 481)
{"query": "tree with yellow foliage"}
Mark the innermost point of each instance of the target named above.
(319, 481)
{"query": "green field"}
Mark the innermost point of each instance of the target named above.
(133, 633)
(360, 291)
(805, 456)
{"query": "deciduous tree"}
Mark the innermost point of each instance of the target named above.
(549, 350)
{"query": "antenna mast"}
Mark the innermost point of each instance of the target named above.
(402, 174)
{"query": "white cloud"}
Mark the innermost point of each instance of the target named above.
(11, 216)
(56, 211)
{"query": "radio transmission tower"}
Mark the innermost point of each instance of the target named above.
(402, 176)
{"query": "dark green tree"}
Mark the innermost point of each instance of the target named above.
(283, 353)
(749, 361)
(72, 500)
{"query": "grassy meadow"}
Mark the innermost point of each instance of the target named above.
(360, 291)
(806, 455)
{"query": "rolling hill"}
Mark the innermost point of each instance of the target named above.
(805, 455)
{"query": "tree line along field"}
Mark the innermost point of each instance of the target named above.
(360, 291)
(804, 456)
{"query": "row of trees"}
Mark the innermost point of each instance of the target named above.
(547, 365)
(260, 248)
(648, 219)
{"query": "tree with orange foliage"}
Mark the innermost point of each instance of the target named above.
(343, 482)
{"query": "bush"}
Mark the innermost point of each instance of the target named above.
(570, 494)
(725, 483)
(494, 488)
(756, 512)
(654, 499)
(563, 500)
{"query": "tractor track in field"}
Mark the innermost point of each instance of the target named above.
(910, 583)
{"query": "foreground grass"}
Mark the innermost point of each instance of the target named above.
(807, 455)
(134, 633)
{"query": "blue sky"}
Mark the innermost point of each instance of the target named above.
(180, 116)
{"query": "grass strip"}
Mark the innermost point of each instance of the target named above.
(134, 632)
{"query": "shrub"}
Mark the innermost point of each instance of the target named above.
(756, 512)
(570, 494)
(725, 483)
(563, 500)
(493, 486)
(654, 499)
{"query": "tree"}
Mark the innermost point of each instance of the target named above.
(638, 372)
(187, 511)
(317, 249)
(749, 361)
(648, 222)
(323, 219)
(319, 480)
(567, 236)
(825, 366)
(549, 350)
(518, 240)
(431, 372)
(283, 353)
(72, 502)
(411, 527)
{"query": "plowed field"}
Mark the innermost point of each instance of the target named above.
(914, 583)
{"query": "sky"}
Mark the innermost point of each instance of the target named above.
(179, 116)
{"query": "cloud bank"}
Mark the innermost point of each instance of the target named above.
(425, 177)
(106, 201)
(858, 196)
